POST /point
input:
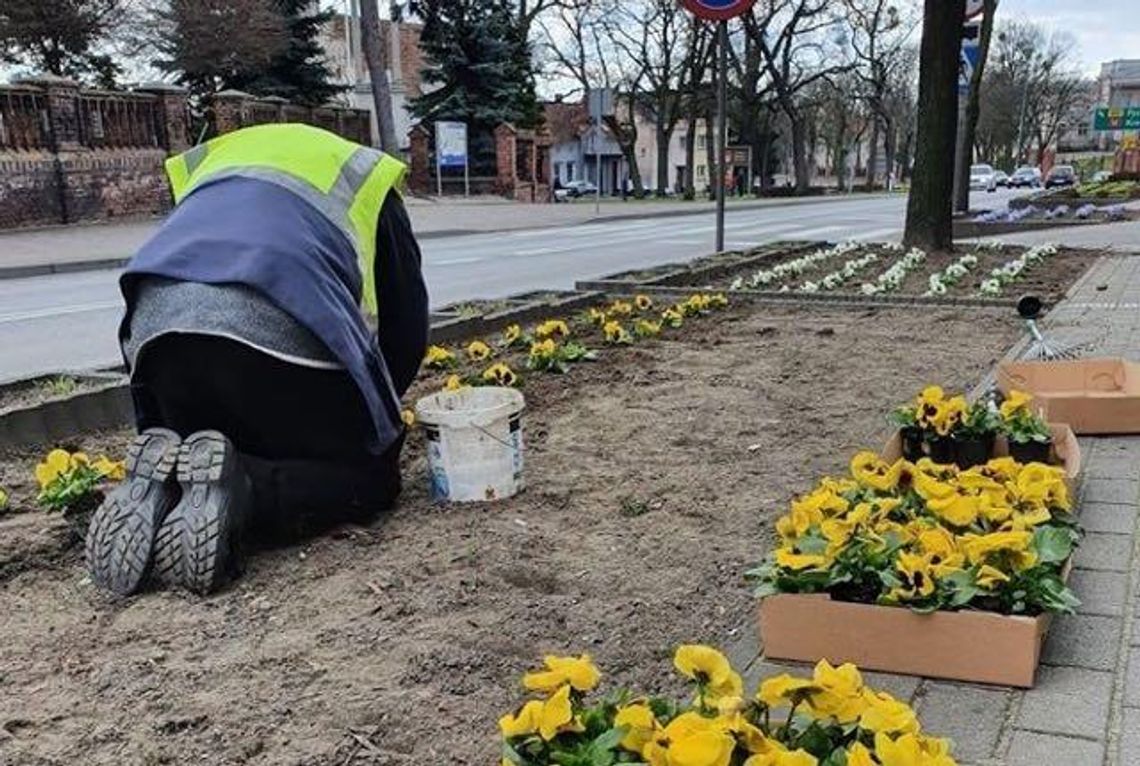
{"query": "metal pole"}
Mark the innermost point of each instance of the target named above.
(721, 130)
(597, 166)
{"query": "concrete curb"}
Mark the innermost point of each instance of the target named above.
(59, 419)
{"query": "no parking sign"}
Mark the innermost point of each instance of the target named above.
(718, 10)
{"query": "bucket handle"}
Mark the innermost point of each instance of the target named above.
(491, 436)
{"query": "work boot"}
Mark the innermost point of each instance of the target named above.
(121, 535)
(199, 544)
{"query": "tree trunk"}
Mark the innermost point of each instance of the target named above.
(378, 75)
(929, 212)
(690, 153)
(873, 154)
(664, 136)
(890, 140)
(799, 152)
(973, 110)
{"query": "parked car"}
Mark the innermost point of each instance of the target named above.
(1102, 176)
(575, 189)
(1001, 178)
(983, 177)
(1026, 176)
(1061, 175)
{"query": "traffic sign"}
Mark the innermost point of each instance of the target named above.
(718, 10)
(1117, 118)
(970, 55)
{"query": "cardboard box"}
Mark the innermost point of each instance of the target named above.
(1094, 396)
(975, 646)
(1066, 449)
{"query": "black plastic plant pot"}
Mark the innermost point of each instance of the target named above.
(911, 437)
(1030, 452)
(941, 449)
(970, 451)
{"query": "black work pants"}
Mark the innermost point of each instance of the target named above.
(302, 432)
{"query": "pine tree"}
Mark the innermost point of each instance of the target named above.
(298, 72)
(480, 61)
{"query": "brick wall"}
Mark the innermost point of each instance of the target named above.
(69, 155)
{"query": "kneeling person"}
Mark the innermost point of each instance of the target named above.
(265, 405)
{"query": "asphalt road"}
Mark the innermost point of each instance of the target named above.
(69, 321)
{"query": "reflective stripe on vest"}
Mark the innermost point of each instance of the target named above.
(345, 182)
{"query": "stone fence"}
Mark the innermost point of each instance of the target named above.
(522, 165)
(69, 154)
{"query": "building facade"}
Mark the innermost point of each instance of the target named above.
(1118, 86)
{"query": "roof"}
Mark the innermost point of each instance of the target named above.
(565, 120)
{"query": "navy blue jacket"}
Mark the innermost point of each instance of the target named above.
(255, 233)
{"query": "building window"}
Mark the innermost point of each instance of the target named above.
(569, 171)
(701, 172)
(701, 143)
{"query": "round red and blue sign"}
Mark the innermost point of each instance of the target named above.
(718, 10)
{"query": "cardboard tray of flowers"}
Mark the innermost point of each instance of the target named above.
(925, 568)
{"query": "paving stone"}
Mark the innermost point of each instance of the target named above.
(1119, 491)
(743, 648)
(1104, 552)
(1107, 517)
(1112, 468)
(1130, 739)
(1084, 641)
(971, 716)
(1132, 679)
(1101, 593)
(1032, 749)
(1071, 701)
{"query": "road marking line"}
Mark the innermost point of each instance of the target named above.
(46, 313)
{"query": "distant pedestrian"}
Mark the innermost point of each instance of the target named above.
(625, 184)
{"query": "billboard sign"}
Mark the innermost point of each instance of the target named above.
(1117, 118)
(451, 144)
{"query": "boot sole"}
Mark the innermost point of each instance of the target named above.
(121, 536)
(197, 544)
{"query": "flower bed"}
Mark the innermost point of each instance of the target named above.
(871, 271)
(929, 537)
(829, 719)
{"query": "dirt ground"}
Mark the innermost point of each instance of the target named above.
(1048, 280)
(654, 476)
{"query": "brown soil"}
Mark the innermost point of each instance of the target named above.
(654, 476)
(1049, 279)
(40, 390)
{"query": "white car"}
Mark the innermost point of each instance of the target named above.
(983, 177)
(575, 189)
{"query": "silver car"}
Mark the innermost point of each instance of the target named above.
(983, 177)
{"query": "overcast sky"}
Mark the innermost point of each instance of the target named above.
(1105, 29)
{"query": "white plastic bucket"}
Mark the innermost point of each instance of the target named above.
(474, 442)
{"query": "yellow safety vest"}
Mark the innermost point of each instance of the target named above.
(345, 181)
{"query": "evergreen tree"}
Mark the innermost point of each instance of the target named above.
(298, 72)
(60, 37)
(481, 62)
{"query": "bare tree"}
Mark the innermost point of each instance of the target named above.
(973, 109)
(374, 57)
(793, 39)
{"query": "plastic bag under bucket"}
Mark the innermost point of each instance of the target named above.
(474, 442)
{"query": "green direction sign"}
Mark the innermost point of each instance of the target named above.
(1117, 118)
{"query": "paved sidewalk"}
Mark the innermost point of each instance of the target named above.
(1085, 709)
(105, 245)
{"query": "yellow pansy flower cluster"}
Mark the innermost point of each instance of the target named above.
(934, 411)
(69, 480)
(831, 717)
(930, 536)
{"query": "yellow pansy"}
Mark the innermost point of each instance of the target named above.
(115, 470)
(524, 723)
(990, 577)
(646, 329)
(621, 308)
(978, 547)
(438, 357)
(614, 332)
(909, 750)
(751, 737)
(3, 499)
(552, 327)
(841, 692)
(500, 374)
(640, 725)
(478, 351)
(408, 417)
(557, 715)
(872, 471)
(780, 690)
(597, 316)
(718, 300)
(859, 755)
(916, 576)
(578, 672)
(544, 349)
(1014, 401)
(799, 520)
(58, 461)
(643, 302)
(790, 559)
(672, 317)
(709, 668)
(886, 714)
(454, 383)
(511, 334)
(690, 739)
(1001, 468)
(783, 758)
(958, 508)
